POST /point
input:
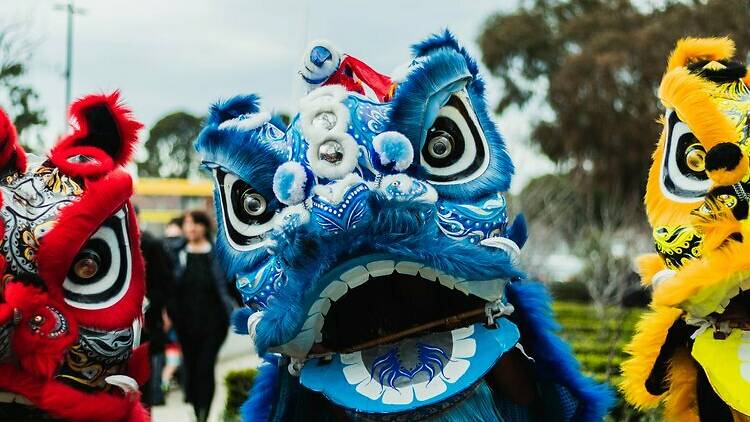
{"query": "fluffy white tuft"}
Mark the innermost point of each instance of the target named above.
(311, 72)
(327, 170)
(291, 217)
(248, 121)
(394, 147)
(310, 110)
(334, 192)
(290, 183)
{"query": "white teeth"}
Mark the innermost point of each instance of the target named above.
(381, 268)
(355, 277)
(403, 395)
(429, 389)
(448, 280)
(428, 273)
(351, 358)
(462, 287)
(370, 389)
(320, 306)
(335, 290)
(312, 329)
(300, 345)
(314, 321)
(455, 369)
(408, 267)
(489, 290)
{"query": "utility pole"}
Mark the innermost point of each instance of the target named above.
(71, 10)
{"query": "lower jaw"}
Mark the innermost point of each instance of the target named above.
(421, 374)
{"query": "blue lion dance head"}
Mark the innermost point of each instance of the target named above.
(371, 244)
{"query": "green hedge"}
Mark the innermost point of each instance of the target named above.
(238, 385)
(598, 342)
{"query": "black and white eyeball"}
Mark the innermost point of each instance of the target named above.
(683, 174)
(247, 214)
(101, 272)
(455, 149)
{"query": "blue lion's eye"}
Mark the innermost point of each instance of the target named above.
(253, 203)
(455, 149)
(246, 214)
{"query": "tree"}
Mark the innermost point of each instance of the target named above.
(602, 61)
(18, 99)
(170, 147)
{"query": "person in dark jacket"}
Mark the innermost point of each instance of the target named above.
(159, 288)
(202, 307)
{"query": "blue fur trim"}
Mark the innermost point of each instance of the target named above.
(239, 319)
(444, 39)
(518, 231)
(277, 121)
(263, 395)
(256, 152)
(444, 63)
(231, 108)
(410, 102)
(553, 357)
(480, 406)
(393, 227)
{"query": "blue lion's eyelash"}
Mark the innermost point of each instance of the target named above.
(231, 108)
(448, 40)
(445, 62)
(410, 102)
(242, 152)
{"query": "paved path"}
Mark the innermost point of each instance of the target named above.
(236, 353)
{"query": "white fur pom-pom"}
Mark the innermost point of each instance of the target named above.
(393, 147)
(290, 183)
(320, 60)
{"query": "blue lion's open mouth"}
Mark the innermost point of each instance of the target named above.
(389, 335)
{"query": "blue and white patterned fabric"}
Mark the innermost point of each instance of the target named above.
(371, 244)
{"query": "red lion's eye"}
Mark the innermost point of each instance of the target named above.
(36, 321)
(87, 264)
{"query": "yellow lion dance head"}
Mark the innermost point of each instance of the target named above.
(697, 203)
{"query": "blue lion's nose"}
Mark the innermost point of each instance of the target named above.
(320, 55)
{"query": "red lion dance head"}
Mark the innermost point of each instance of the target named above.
(72, 285)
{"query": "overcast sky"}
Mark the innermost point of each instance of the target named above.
(184, 54)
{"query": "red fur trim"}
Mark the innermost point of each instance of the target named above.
(69, 403)
(117, 154)
(139, 367)
(11, 152)
(77, 222)
(100, 163)
(37, 353)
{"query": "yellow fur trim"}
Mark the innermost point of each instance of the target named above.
(689, 96)
(693, 49)
(703, 279)
(651, 332)
(662, 211)
(680, 404)
(647, 266)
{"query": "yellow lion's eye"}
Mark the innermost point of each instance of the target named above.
(696, 158)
